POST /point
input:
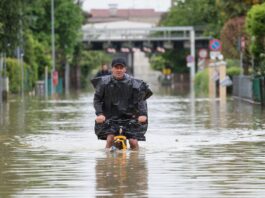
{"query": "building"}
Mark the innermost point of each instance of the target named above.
(113, 14)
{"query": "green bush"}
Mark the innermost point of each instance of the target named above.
(36, 55)
(232, 62)
(233, 68)
(256, 27)
(157, 62)
(201, 82)
(14, 73)
(233, 71)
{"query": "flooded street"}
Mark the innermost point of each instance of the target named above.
(194, 148)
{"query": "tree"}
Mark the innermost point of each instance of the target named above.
(157, 62)
(201, 14)
(9, 24)
(27, 24)
(231, 34)
(255, 25)
(235, 8)
(68, 24)
(87, 61)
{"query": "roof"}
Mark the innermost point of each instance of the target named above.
(118, 25)
(105, 13)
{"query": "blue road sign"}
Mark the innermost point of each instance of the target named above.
(215, 45)
(190, 59)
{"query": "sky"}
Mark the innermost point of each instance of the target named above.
(158, 5)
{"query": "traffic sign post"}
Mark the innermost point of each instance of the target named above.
(55, 78)
(215, 47)
(203, 54)
(242, 43)
(192, 53)
(190, 60)
(242, 49)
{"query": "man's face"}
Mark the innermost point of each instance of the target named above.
(118, 71)
(104, 67)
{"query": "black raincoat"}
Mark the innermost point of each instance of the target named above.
(120, 99)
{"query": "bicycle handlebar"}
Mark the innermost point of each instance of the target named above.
(122, 121)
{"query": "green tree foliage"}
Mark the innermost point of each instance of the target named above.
(68, 25)
(27, 24)
(9, 24)
(209, 15)
(37, 18)
(200, 13)
(255, 25)
(235, 8)
(217, 18)
(157, 62)
(68, 21)
(233, 71)
(36, 55)
(176, 59)
(88, 60)
(231, 34)
(1, 28)
(93, 59)
(201, 83)
(173, 58)
(14, 72)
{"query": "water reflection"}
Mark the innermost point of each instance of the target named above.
(122, 174)
(4, 114)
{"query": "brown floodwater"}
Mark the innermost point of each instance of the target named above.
(195, 148)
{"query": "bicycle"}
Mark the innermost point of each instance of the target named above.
(122, 128)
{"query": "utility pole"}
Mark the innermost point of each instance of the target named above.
(53, 46)
(21, 53)
(192, 53)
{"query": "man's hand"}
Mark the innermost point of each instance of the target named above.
(142, 119)
(100, 119)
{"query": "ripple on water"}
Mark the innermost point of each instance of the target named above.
(203, 152)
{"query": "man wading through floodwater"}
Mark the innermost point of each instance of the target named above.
(120, 96)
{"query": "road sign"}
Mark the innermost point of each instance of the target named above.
(190, 59)
(189, 64)
(214, 54)
(215, 45)
(203, 53)
(201, 62)
(55, 78)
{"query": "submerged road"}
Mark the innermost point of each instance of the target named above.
(194, 148)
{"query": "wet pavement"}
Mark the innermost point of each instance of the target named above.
(196, 147)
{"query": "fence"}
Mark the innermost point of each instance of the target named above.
(249, 88)
(242, 87)
(259, 89)
(40, 87)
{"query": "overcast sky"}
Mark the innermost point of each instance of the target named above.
(158, 5)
